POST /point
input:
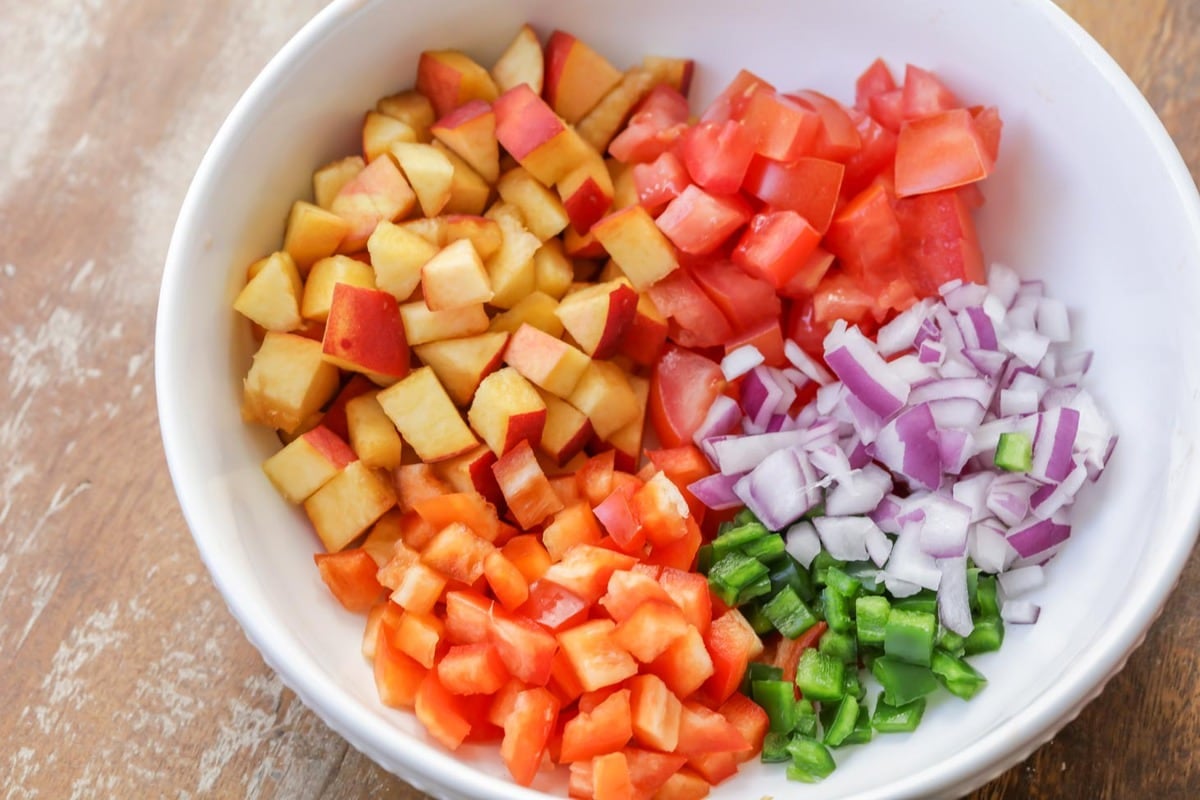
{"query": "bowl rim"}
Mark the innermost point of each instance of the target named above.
(975, 764)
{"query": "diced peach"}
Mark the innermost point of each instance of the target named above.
(553, 271)
(507, 410)
(364, 333)
(470, 131)
(307, 463)
(535, 309)
(426, 416)
(644, 254)
(349, 503)
(429, 172)
(378, 193)
(312, 234)
(540, 208)
(288, 382)
(271, 297)
(422, 324)
(372, 434)
(597, 316)
(521, 62)
(329, 179)
(397, 255)
(410, 107)
(536, 136)
(327, 274)
(548, 362)
(577, 76)
(605, 395)
(380, 132)
(455, 278)
(462, 364)
(450, 78)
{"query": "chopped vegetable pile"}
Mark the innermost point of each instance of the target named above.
(646, 443)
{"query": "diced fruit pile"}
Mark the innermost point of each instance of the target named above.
(465, 333)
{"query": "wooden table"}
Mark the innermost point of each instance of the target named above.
(123, 674)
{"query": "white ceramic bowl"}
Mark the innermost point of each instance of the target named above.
(1090, 194)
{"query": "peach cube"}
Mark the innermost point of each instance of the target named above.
(455, 277)
(349, 503)
(288, 382)
(426, 417)
(307, 462)
(271, 298)
(506, 411)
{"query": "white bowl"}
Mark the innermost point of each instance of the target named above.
(1090, 194)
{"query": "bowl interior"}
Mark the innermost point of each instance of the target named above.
(1089, 194)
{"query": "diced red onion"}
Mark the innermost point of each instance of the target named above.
(955, 448)
(932, 353)
(1020, 612)
(786, 386)
(780, 422)
(1003, 283)
(744, 453)
(865, 421)
(740, 360)
(901, 333)
(778, 490)
(830, 461)
(829, 398)
(858, 492)
(803, 543)
(853, 358)
(716, 491)
(1027, 345)
(722, 418)
(943, 532)
(879, 546)
(845, 537)
(909, 562)
(954, 607)
(1017, 582)
(1008, 497)
(795, 377)
(977, 328)
(1054, 443)
(972, 492)
(1036, 536)
(989, 362)
(806, 363)
(1060, 495)
(1014, 402)
(989, 548)
(899, 588)
(907, 446)
(886, 514)
(973, 388)
(957, 412)
(761, 396)
(965, 295)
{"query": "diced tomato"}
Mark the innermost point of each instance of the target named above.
(586, 570)
(940, 151)
(695, 319)
(782, 129)
(865, 236)
(416, 482)
(690, 592)
(775, 246)
(989, 125)
(787, 654)
(527, 730)
(595, 476)
(877, 155)
(683, 465)
(597, 659)
(660, 181)
(649, 770)
(887, 108)
(680, 553)
(440, 712)
(351, 578)
(472, 669)
(682, 388)
(621, 522)
(840, 296)
(650, 630)
(683, 785)
(506, 581)
(528, 554)
(702, 730)
(837, 139)
(397, 676)
(717, 154)
(685, 665)
(698, 221)
(529, 494)
(809, 277)
(749, 718)
(656, 124)
(925, 94)
(744, 299)
(804, 329)
(875, 80)
(939, 241)
(604, 729)
(553, 606)
(732, 101)
(611, 779)
(575, 524)
(767, 338)
(468, 617)
(732, 644)
(809, 186)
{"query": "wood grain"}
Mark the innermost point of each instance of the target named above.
(124, 675)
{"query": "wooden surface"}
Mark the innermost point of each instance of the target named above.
(122, 673)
